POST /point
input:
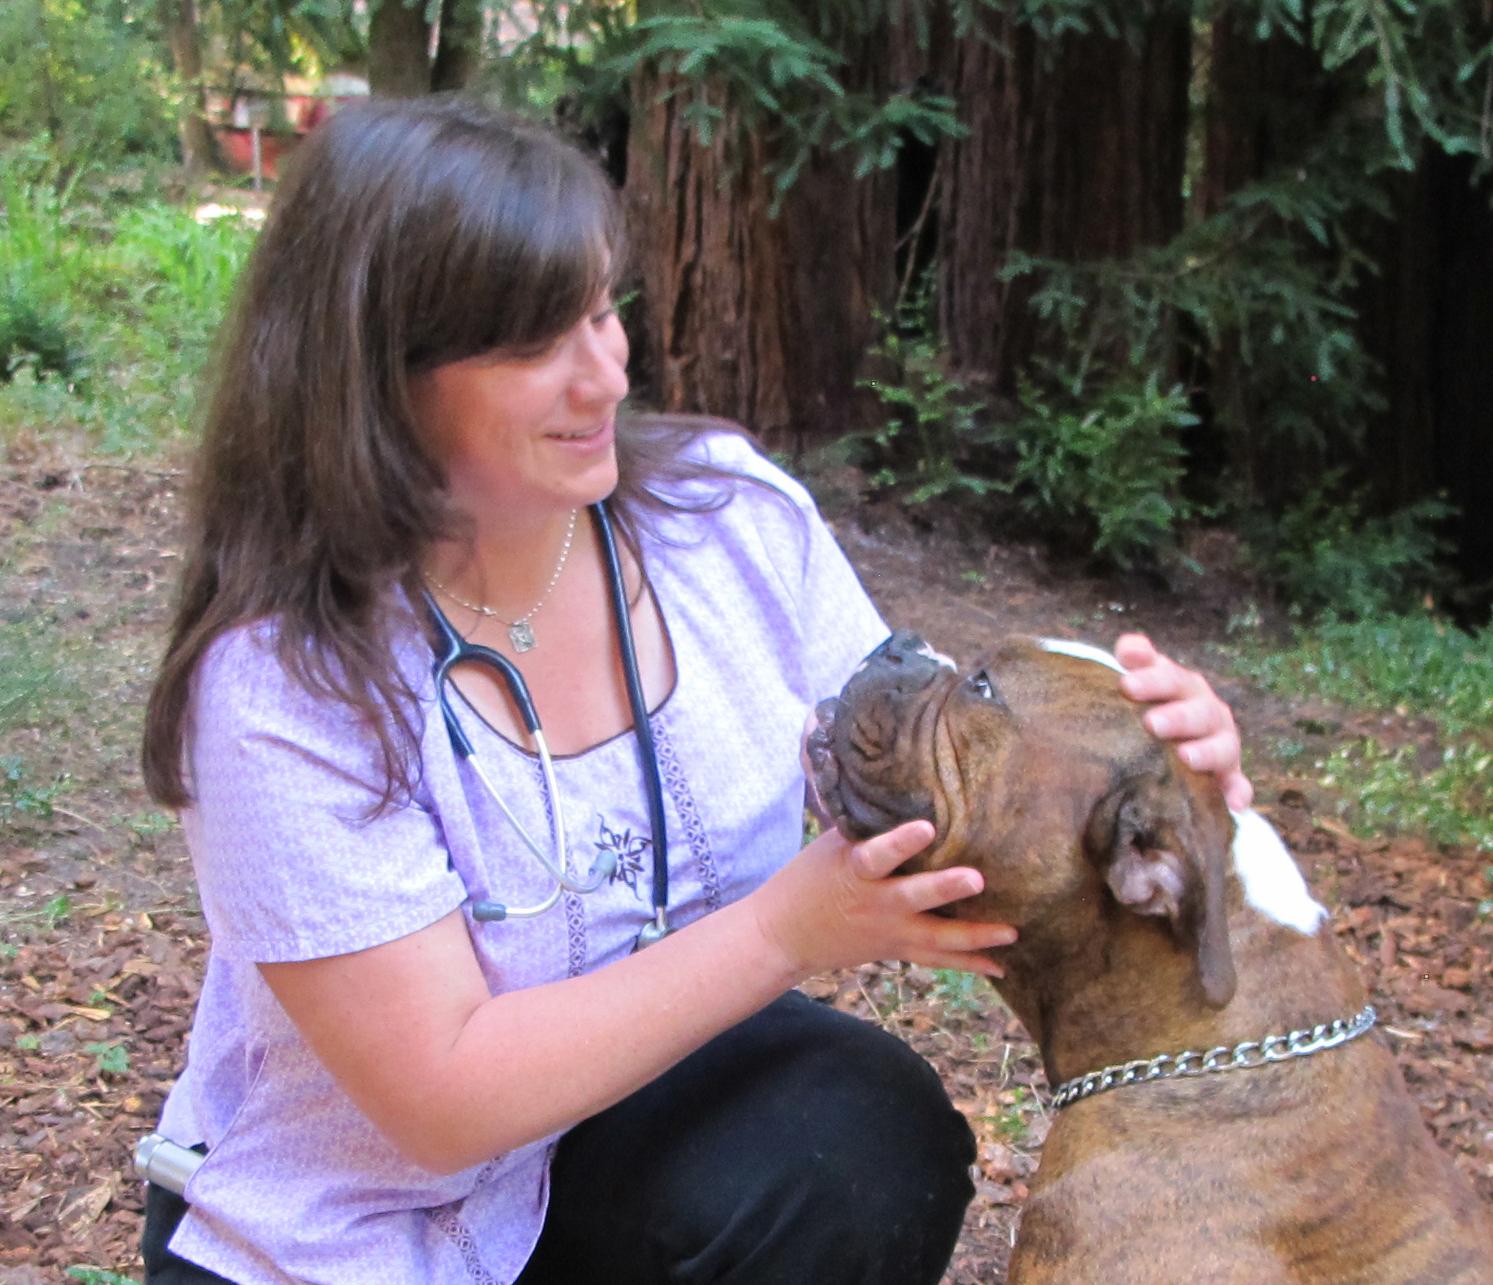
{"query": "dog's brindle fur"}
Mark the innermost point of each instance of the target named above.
(1114, 862)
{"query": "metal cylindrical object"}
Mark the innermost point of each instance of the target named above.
(167, 1164)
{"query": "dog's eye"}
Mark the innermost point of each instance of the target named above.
(980, 685)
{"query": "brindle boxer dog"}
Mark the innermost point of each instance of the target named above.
(1152, 921)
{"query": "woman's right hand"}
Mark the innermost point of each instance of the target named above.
(838, 904)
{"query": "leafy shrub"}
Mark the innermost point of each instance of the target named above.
(139, 290)
(88, 78)
(1107, 469)
(929, 445)
(34, 332)
(1328, 555)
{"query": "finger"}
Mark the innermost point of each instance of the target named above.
(1162, 680)
(1189, 720)
(878, 856)
(1218, 754)
(935, 888)
(1238, 793)
(966, 934)
(1135, 651)
(961, 962)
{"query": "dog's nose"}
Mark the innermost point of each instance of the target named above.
(902, 646)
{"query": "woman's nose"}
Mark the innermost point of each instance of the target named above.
(601, 374)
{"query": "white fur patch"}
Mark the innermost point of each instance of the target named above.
(1272, 883)
(1081, 651)
(927, 650)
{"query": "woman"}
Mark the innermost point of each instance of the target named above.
(416, 406)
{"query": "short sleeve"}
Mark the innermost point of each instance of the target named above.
(838, 623)
(289, 862)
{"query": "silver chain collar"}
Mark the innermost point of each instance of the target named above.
(1242, 1057)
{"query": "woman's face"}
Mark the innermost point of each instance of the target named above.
(520, 434)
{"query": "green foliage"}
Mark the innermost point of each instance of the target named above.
(99, 1276)
(960, 990)
(109, 1058)
(17, 798)
(133, 296)
(1106, 469)
(1329, 555)
(928, 446)
(1427, 65)
(1391, 790)
(1416, 662)
(88, 78)
(778, 65)
(1263, 283)
(1411, 664)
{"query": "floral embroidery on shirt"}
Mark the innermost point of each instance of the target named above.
(628, 848)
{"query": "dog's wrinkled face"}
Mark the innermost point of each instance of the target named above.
(1035, 768)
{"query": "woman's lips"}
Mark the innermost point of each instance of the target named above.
(586, 439)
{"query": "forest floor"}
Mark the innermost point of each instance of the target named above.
(102, 943)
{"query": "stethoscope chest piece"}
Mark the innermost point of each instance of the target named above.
(655, 929)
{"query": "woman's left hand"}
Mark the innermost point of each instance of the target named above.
(1188, 711)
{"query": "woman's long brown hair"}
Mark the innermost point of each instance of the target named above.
(405, 235)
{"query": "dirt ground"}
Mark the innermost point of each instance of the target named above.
(101, 943)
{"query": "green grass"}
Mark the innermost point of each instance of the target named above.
(112, 311)
(33, 680)
(1389, 791)
(1418, 664)
(1413, 666)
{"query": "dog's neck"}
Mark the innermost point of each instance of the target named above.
(1127, 989)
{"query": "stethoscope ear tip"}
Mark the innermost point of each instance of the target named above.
(489, 912)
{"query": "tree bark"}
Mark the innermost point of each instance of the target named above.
(1074, 153)
(458, 48)
(1266, 104)
(199, 153)
(1427, 318)
(760, 319)
(399, 49)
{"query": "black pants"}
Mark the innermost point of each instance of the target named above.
(802, 1147)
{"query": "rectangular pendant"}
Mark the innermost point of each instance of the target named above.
(521, 636)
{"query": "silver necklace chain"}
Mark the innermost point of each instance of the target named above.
(520, 632)
(1242, 1057)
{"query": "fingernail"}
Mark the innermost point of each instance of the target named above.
(1188, 756)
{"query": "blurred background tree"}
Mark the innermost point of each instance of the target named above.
(1099, 270)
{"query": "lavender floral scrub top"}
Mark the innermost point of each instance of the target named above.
(765, 617)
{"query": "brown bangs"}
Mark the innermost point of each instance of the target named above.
(504, 251)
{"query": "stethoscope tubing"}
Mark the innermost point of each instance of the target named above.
(455, 650)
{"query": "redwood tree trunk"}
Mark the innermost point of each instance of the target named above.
(459, 45)
(761, 319)
(1427, 317)
(1076, 156)
(179, 18)
(399, 49)
(1266, 104)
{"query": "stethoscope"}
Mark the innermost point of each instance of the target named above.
(452, 649)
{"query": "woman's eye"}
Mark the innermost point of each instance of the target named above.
(597, 318)
(980, 685)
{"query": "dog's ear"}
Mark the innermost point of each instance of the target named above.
(1163, 854)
